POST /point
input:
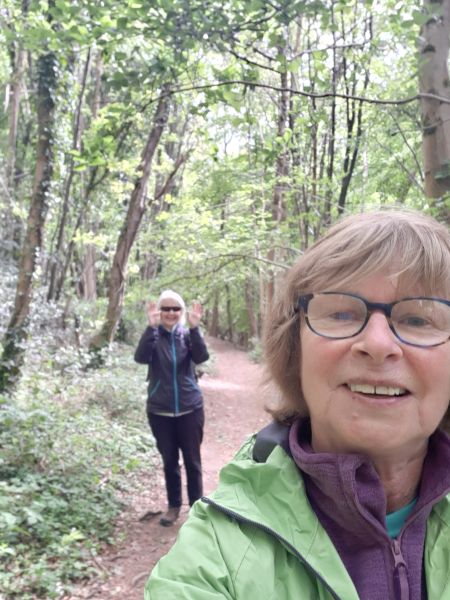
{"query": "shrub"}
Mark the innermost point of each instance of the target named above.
(70, 441)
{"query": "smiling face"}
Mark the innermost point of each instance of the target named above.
(372, 393)
(169, 318)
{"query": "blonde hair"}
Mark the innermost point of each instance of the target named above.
(401, 243)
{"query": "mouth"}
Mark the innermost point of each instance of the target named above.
(369, 389)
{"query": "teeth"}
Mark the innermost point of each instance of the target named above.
(382, 390)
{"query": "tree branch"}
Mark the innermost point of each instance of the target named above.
(217, 84)
(232, 259)
(163, 191)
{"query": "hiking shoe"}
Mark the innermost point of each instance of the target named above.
(149, 515)
(170, 516)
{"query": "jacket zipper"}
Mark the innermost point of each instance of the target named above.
(274, 534)
(401, 583)
(174, 374)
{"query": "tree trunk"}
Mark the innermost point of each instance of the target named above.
(57, 259)
(11, 226)
(229, 314)
(331, 134)
(354, 130)
(150, 267)
(14, 105)
(94, 179)
(252, 321)
(136, 209)
(12, 357)
(214, 324)
(281, 171)
(434, 79)
(89, 274)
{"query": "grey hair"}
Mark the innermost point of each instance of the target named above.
(171, 295)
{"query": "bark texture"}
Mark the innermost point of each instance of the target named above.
(12, 357)
(136, 210)
(434, 79)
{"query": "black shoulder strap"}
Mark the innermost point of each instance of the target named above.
(274, 434)
(187, 339)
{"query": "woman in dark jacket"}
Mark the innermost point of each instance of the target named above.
(175, 402)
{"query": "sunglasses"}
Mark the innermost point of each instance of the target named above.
(170, 308)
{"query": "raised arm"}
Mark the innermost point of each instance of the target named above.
(146, 345)
(198, 347)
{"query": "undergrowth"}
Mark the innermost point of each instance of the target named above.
(71, 443)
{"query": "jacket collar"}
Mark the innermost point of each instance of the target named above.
(348, 491)
(177, 330)
(271, 495)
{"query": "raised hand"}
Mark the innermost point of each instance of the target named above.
(153, 314)
(194, 315)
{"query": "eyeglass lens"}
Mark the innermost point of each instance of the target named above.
(423, 322)
(171, 308)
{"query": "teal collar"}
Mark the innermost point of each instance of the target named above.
(395, 520)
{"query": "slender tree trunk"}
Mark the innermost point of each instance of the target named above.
(12, 357)
(354, 133)
(434, 79)
(331, 134)
(97, 92)
(136, 209)
(281, 171)
(57, 260)
(14, 105)
(13, 102)
(229, 314)
(252, 321)
(150, 267)
(214, 324)
(354, 128)
(94, 181)
(89, 273)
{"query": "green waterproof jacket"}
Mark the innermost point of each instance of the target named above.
(257, 538)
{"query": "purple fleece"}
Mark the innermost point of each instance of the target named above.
(349, 501)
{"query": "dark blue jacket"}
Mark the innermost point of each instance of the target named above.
(170, 356)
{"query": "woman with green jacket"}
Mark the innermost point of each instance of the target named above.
(345, 494)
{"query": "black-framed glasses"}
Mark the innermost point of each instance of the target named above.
(417, 321)
(170, 308)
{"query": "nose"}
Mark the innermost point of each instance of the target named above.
(377, 340)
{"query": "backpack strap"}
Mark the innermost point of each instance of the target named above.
(187, 341)
(274, 434)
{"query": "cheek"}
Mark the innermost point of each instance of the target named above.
(319, 355)
(433, 373)
(320, 362)
(433, 380)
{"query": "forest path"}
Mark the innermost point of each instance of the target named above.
(234, 407)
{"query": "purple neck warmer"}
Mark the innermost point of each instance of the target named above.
(348, 498)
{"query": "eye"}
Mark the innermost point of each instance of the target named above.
(415, 321)
(343, 315)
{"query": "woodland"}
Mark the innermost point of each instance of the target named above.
(188, 144)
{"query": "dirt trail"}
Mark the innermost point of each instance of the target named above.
(234, 401)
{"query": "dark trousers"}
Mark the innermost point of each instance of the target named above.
(173, 434)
